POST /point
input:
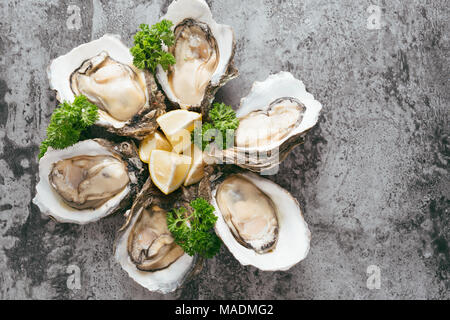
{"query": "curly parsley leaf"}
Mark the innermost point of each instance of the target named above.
(148, 51)
(193, 233)
(67, 123)
(224, 123)
(223, 113)
(203, 135)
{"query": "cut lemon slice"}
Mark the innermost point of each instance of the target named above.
(177, 125)
(196, 171)
(155, 141)
(168, 170)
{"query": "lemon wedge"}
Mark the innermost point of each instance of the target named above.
(168, 170)
(196, 171)
(155, 141)
(177, 125)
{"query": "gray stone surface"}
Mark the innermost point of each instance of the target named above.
(372, 177)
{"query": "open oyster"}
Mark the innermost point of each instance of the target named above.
(260, 222)
(150, 245)
(88, 181)
(146, 249)
(273, 119)
(204, 52)
(128, 98)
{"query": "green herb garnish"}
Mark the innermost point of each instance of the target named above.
(67, 123)
(193, 233)
(224, 122)
(148, 50)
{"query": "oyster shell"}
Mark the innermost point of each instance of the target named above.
(103, 71)
(204, 52)
(145, 248)
(88, 181)
(260, 222)
(274, 118)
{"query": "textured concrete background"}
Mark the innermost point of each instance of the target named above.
(372, 177)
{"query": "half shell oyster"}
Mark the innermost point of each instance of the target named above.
(88, 181)
(128, 98)
(204, 52)
(146, 249)
(274, 118)
(260, 222)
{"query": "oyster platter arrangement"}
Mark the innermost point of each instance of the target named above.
(138, 132)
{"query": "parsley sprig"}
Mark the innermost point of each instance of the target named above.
(224, 122)
(148, 50)
(193, 233)
(67, 123)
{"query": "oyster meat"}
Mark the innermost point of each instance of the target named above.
(128, 98)
(151, 246)
(113, 86)
(197, 57)
(260, 222)
(88, 181)
(273, 119)
(249, 213)
(203, 51)
(263, 128)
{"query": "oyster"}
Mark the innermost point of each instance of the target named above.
(262, 128)
(260, 222)
(128, 98)
(249, 213)
(150, 245)
(203, 51)
(146, 249)
(88, 181)
(274, 118)
(113, 86)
